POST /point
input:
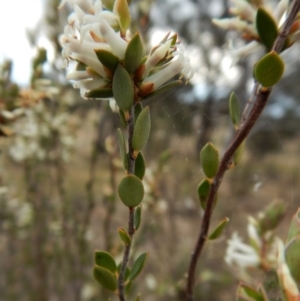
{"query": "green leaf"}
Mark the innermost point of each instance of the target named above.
(105, 277)
(137, 266)
(122, 146)
(122, 118)
(209, 157)
(100, 93)
(137, 298)
(140, 166)
(141, 130)
(138, 108)
(107, 59)
(109, 4)
(239, 153)
(219, 229)
(127, 272)
(122, 87)
(124, 236)
(266, 27)
(269, 69)
(131, 191)
(294, 229)
(271, 216)
(105, 260)
(292, 255)
(137, 217)
(122, 10)
(203, 191)
(163, 89)
(134, 53)
(234, 110)
(252, 293)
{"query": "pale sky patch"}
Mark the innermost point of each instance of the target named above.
(15, 18)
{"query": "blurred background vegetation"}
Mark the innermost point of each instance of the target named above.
(60, 164)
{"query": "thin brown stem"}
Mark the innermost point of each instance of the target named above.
(131, 167)
(260, 100)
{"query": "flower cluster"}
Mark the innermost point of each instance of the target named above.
(245, 22)
(98, 39)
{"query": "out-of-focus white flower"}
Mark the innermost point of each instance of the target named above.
(92, 30)
(24, 215)
(244, 22)
(241, 254)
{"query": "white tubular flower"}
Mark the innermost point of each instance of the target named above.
(241, 254)
(96, 39)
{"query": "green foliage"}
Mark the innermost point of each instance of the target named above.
(203, 191)
(219, 229)
(266, 27)
(122, 10)
(209, 157)
(134, 53)
(105, 277)
(108, 59)
(138, 108)
(137, 217)
(234, 110)
(292, 254)
(138, 266)
(294, 230)
(105, 260)
(250, 293)
(271, 216)
(269, 69)
(140, 166)
(122, 146)
(100, 93)
(141, 130)
(122, 88)
(239, 153)
(131, 191)
(125, 237)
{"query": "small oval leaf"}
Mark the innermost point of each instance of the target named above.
(269, 69)
(209, 158)
(294, 229)
(121, 9)
(292, 255)
(140, 166)
(219, 229)
(131, 191)
(107, 59)
(105, 260)
(234, 110)
(138, 108)
(266, 27)
(105, 277)
(122, 146)
(137, 266)
(134, 53)
(124, 235)
(100, 93)
(123, 88)
(137, 217)
(251, 293)
(203, 191)
(122, 118)
(141, 130)
(239, 153)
